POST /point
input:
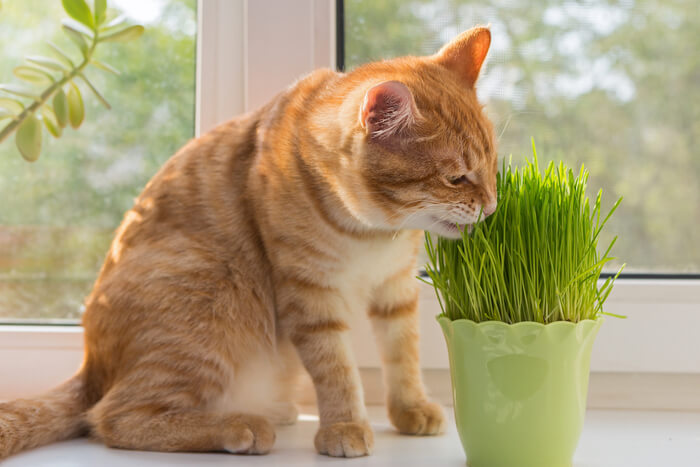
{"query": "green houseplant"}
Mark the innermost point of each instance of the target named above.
(51, 94)
(521, 305)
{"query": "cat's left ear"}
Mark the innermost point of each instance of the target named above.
(466, 53)
(388, 110)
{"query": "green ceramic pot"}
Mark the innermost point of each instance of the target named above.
(519, 389)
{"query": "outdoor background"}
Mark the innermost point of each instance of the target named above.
(610, 84)
(58, 214)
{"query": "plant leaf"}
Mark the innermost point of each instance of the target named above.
(46, 62)
(6, 113)
(96, 92)
(18, 90)
(76, 108)
(28, 138)
(105, 67)
(79, 11)
(88, 33)
(54, 129)
(49, 119)
(61, 54)
(32, 75)
(12, 105)
(77, 38)
(126, 34)
(100, 11)
(118, 21)
(60, 108)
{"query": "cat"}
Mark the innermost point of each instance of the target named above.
(243, 257)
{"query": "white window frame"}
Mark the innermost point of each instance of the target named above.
(247, 51)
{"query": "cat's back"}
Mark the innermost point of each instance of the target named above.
(197, 196)
(187, 246)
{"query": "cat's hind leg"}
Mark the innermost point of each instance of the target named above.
(127, 418)
(172, 340)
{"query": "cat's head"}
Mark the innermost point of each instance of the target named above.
(427, 151)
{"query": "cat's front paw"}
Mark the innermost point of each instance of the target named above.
(345, 439)
(423, 418)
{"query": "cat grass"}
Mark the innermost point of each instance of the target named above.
(535, 259)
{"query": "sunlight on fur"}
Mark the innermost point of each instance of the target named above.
(243, 259)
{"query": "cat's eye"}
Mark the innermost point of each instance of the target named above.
(458, 181)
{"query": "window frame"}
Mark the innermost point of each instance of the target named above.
(232, 79)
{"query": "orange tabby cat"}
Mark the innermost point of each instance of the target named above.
(247, 252)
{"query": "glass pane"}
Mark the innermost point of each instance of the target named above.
(58, 214)
(612, 84)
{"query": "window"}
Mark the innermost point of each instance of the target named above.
(58, 215)
(608, 84)
(242, 47)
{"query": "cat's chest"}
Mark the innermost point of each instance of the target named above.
(368, 264)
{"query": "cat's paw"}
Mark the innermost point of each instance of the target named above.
(250, 434)
(424, 418)
(345, 439)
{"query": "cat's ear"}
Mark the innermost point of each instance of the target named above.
(388, 110)
(466, 53)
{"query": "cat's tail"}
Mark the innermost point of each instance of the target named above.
(54, 416)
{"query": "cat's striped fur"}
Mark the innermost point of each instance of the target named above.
(246, 253)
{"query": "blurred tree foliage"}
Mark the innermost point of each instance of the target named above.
(57, 216)
(612, 84)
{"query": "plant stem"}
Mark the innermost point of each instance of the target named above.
(46, 95)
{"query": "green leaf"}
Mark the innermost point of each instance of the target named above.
(60, 108)
(12, 105)
(105, 67)
(100, 11)
(46, 62)
(116, 22)
(54, 129)
(18, 90)
(28, 138)
(49, 119)
(95, 92)
(6, 113)
(77, 38)
(127, 34)
(79, 11)
(32, 75)
(76, 109)
(61, 54)
(88, 33)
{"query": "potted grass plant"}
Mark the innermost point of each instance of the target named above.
(521, 305)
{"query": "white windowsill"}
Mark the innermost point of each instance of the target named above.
(610, 439)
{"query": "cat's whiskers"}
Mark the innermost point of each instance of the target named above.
(421, 205)
(405, 220)
(422, 210)
(445, 217)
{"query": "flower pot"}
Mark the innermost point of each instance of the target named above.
(519, 389)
